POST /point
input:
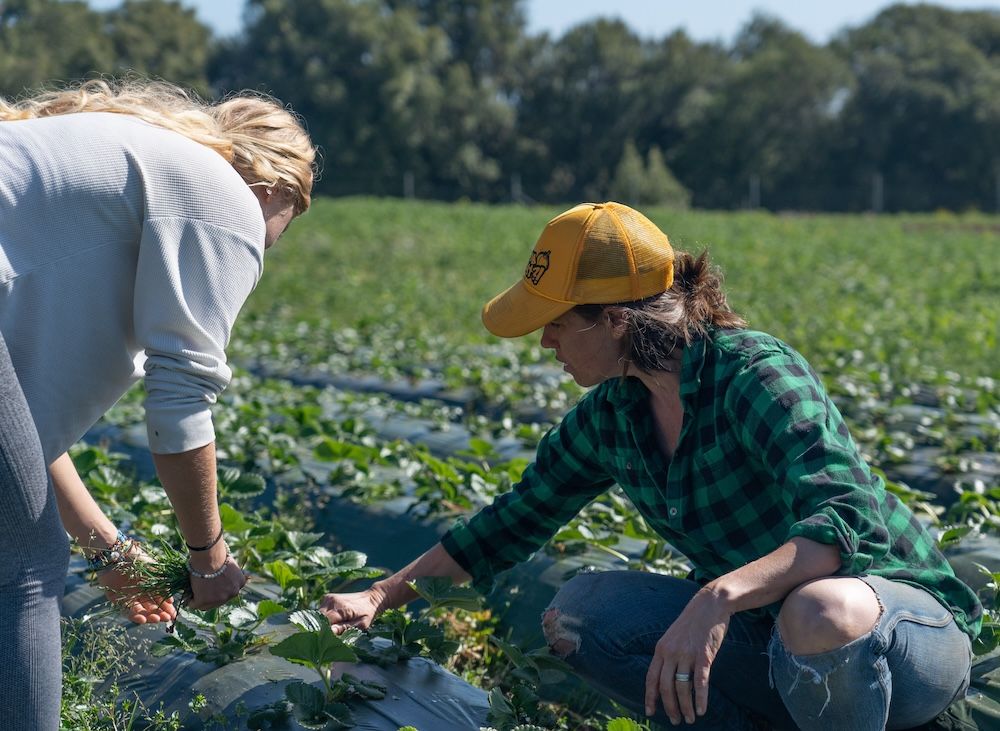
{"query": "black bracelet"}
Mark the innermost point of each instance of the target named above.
(205, 548)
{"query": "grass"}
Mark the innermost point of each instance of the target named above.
(877, 304)
(917, 294)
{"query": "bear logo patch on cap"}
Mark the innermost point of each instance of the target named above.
(537, 266)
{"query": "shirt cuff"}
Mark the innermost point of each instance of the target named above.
(169, 434)
(832, 530)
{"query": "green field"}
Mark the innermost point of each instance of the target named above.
(369, 405)
(916, 296)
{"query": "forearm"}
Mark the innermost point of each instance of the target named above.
(394, 591)
(81, 516)
(189, 479)
(770, 578)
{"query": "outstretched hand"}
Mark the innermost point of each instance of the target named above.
(358, 609)
(119, 588)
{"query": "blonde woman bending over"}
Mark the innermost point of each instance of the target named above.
(133, 224)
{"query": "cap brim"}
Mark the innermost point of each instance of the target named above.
(519, 311)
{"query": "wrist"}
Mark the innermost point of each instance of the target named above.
(718, 597)
(384, 595)
(213, 574)
(210, 560)
(120, 549)
(99, 537)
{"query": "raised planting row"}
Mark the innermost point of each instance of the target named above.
(381, 469)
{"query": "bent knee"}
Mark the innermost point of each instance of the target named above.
(561, 632)
(577, 603)
(824, 614)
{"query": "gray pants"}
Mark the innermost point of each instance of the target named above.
(34, 554)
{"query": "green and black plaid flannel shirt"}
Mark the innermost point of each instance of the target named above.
(763, 456)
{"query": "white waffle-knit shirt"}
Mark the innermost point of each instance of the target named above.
(126, 251)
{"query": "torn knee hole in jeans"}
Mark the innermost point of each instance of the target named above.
(560, 632)
(881, 606)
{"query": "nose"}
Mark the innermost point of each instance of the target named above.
(548, 339)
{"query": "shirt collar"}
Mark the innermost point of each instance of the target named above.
(692, 364)
(625, 393)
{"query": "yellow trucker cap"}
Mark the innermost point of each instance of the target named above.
(594, 253)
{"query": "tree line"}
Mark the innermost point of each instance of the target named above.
(447, 99)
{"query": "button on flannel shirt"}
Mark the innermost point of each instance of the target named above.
(763, 456)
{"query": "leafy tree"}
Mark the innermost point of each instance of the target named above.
(680, 82)
(162, 39)
(773, 116)
(381, 92)
(926, 111)
(42, 41)
(662, 188)
(649, 184)
(576, 108)
(486, 35)
(630, 177)
(45, 42)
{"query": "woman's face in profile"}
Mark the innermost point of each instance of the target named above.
(587, 349)
(278, 208)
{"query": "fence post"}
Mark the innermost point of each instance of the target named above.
(878, 192)
(408, 185)
(516, 194)
(996, 172)
(754, 192)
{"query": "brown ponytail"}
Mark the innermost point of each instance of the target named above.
(660, 326)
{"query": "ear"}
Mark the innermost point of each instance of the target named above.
(617, 321)
(262, 193)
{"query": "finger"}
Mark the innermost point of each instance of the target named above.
(334, 617)
(668, 692)
(137, 617)
(652, 684)
(685, 696)
(156, 615)
(701, 676)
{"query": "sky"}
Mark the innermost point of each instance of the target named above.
(703, 20)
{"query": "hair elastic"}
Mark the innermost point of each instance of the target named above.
(205, 548)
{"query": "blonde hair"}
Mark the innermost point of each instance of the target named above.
(264, 142)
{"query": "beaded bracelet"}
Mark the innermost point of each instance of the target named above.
(105, 558)
(211, 575)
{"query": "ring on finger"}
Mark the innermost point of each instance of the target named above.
(682, 677)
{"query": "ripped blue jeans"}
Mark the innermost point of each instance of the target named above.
(904, 672)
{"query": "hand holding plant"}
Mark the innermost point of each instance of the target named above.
(167, 573)
(357, 609)
(217, 587)
(124, 587)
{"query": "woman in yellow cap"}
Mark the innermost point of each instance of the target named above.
(816, 600)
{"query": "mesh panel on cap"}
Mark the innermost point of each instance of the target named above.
(605, 270)
(650, 248)
(603, 255)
